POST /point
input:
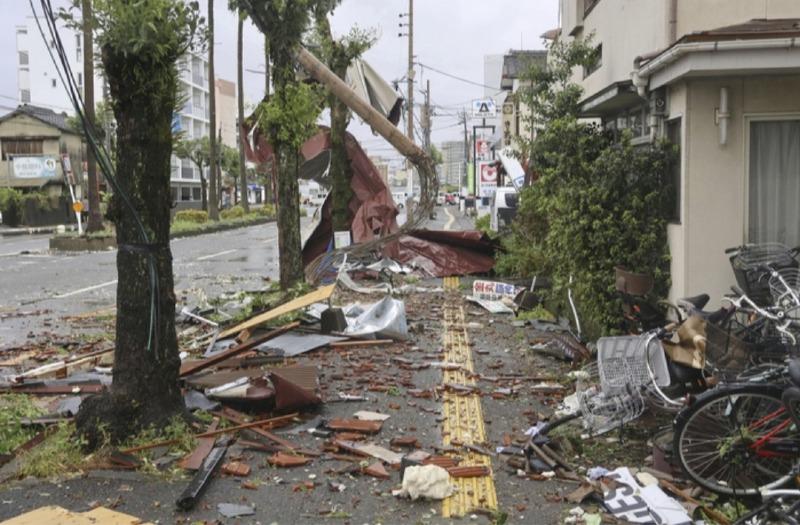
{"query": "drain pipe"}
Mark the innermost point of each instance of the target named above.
(672, 27)
(723, 116)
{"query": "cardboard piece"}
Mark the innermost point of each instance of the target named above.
(320, 294)
(54, 515)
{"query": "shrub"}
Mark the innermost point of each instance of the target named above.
(195, 216)
(236, 212)
(483, 224)
(11, 206)
(267, 210)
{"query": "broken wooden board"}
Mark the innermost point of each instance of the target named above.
(53, 515)
(320, 294)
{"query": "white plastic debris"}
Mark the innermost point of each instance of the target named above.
(429, 481)
(596, 473)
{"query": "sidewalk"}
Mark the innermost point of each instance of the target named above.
(35, 230)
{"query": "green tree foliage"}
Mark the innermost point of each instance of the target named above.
(598, 201)
(338, 55)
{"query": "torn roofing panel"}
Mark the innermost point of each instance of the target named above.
(444, 253)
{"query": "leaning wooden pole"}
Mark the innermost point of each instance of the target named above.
(418, 157)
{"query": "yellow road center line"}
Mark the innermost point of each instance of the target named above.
(463, 415)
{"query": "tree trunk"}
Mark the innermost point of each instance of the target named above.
(95, 218)
(266, 66)
(240, 108)
(145, 389)
(203, 190)
(213, 197)
(290, 254)
(341, 171)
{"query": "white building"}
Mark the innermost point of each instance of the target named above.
(720, 79)
(454, 163)
(38, 83)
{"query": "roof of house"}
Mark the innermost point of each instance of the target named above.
(755, 28)
(45, 115)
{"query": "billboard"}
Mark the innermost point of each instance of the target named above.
(34, 167)
(487, 177)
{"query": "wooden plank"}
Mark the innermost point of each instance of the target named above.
(238, 418)
(361, 342)
(318, 295)
(238, 349)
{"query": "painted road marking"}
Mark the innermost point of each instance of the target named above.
(451, 221)
(463, 415)
(205, 257)
(271, 239)
(83, 290)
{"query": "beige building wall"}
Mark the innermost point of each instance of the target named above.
(227, 110)
(23, 126)
(715, 177)
(699, 15)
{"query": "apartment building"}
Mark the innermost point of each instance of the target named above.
(720, 79)
(454, 163)
(39, 84)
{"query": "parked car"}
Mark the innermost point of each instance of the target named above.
(451, 199)
(503, 208)
(440, 199)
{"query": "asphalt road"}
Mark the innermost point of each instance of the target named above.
(39, 287)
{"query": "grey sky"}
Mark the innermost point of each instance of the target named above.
(450, 35)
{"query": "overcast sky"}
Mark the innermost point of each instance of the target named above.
(450, 35)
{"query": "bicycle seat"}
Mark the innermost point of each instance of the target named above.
(794, 371)
(696, 302)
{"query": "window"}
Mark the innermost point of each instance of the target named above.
(774, 184)
(674, 136)
(186, 193)
(53, 82)
(80, 79)
(196, 194)
(20, 147)
(23, 58)
(22, 31)
(78, 46)
(597, 62)
(25, 95)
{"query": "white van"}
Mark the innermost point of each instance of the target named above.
(503, 208)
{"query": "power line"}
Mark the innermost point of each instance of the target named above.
(456, 77)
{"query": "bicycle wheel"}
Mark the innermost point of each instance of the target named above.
(737, 440)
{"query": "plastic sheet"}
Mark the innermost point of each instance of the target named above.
(386, 318)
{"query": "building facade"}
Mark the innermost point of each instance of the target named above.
(719, 78)
(38, 84)
(454, 163)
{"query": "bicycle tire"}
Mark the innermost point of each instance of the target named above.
(711, 434)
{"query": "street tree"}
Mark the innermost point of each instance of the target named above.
(288, 117)
(338, 55)
(140, 43)
(197, 151)
(240, 109)
(214, 175)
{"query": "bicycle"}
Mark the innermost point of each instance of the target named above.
(739, 439)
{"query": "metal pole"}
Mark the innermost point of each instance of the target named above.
(411, 70)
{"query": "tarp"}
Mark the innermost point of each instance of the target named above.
(444, 253)
(370, 86)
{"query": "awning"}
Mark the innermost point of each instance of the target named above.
(616, 97)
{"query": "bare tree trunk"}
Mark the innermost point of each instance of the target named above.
(95, 218)
(290, 254)
(145, 389)
(203, 189)
(213, 197)
(240, 119)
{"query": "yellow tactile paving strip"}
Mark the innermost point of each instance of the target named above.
(463, 416)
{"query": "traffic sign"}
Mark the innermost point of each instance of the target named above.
(485, 108)
(77, 206)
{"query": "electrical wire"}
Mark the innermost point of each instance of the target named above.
(103, 157)
(456, 77)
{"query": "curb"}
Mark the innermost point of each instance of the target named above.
(13, 232)
(100, 244)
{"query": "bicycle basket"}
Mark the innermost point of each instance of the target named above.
(602, 412)
(747, 261)
(785, 287)
(727, 355)
(622, 362)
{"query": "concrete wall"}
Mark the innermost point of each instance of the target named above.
(699, 15)
(714, 197)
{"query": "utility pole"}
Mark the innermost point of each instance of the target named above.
(95, 219)
(240, 112)
(465, 181)
(214, 175)
(426, 127)
(410, 88)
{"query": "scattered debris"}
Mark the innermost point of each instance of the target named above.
(429, 482)
(231, 510)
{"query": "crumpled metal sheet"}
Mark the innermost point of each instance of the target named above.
(295, 387)
(386, 318)
(296, 343)
(444, 253)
